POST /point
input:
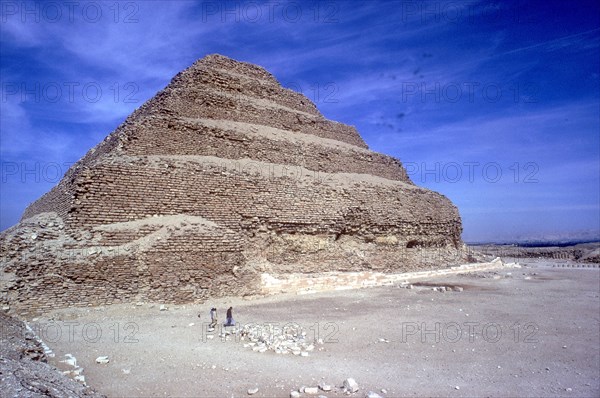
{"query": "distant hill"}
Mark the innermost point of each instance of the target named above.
(545, 240)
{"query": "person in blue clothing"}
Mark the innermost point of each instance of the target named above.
(229, 319)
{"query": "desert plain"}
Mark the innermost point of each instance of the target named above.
(528, 331)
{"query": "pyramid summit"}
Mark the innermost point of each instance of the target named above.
(221, 178)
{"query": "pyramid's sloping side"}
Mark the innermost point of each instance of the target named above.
(222, 176)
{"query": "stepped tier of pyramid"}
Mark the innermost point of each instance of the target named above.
(220, 178)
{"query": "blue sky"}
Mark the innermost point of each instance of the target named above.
(494, 104)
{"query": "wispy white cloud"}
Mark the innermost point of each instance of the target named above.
(568, 41)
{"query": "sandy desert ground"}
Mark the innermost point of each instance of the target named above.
(532, 331)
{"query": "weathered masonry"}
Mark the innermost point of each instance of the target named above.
(220, 178)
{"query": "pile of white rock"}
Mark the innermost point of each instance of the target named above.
(288, 339)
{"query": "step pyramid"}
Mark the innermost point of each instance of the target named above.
(221, 177)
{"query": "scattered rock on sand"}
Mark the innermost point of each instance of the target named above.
(102, 360)
(311, 390)
(325, 387)
(294, 394)
(70, 360)
(372, 394)
(252, 391)
(350, 385)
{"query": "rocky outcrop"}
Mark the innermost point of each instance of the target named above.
(222, 176)
(24, 371)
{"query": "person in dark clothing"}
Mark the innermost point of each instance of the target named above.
(229, 321)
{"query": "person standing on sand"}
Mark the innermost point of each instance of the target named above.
(229, 321)
(213, 318)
